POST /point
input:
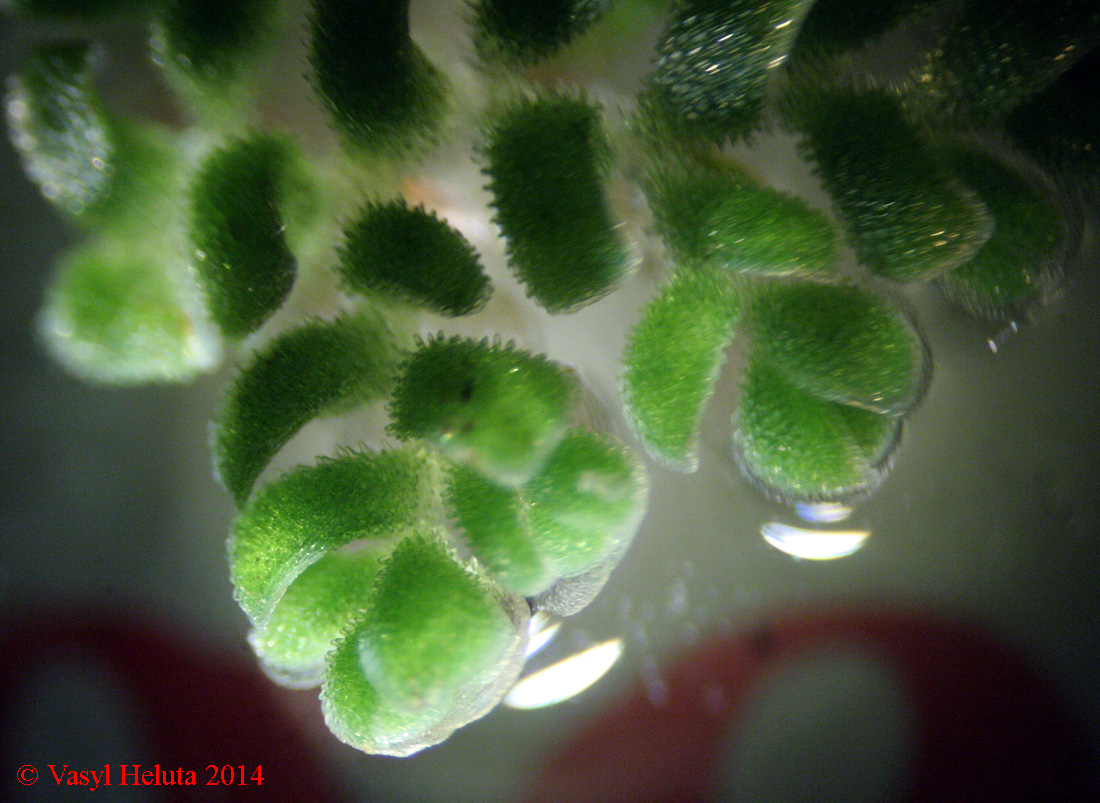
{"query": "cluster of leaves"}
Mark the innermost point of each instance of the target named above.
(402, 580)
(923, 180)
(834, 367)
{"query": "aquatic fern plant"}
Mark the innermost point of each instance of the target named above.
(400, 572)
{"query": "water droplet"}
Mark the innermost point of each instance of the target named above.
(810, 544)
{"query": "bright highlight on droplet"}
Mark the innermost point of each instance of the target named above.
(801, 542)
(565, 679)
(542, 629)
(822, 512)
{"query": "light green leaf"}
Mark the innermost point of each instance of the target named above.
(311, 511)
(672, 361)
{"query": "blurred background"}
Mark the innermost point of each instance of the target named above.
(975, 594)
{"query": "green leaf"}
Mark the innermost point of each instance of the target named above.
(585, 504)
(492, 407)
(118, 315)
(382, 92)
(494, 520)
(715, 61)
(358, 715)
(547, 160)
(908, 218)
(313, 613)
(412, 255)
(324, 366)
(433, 630)
(522, 32)
(712, 214)
(798, 447)
(242, 258)
(101, 171)
(842, 344)
(69, 145)
(1018, 267)
(312, 510)
(483, 661)
(581, 509)
(672, 361)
